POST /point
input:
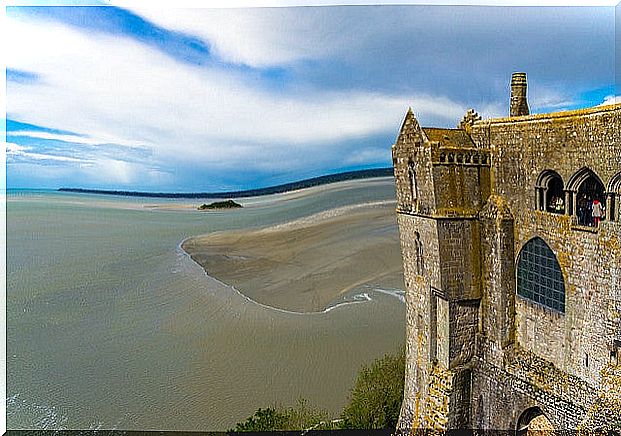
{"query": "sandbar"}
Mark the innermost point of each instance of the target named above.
(307, 264)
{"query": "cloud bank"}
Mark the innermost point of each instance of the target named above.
(276, 95)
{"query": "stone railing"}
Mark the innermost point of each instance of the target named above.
(460, 156)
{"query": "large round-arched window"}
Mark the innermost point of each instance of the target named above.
(539, 276)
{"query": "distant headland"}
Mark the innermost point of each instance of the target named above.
(292, 186)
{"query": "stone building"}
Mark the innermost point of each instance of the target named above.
(513, 289)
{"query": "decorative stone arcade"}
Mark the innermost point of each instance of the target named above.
(583, 188)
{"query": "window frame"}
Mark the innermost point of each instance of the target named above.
(539, 277)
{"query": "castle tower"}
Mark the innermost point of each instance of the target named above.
(519, 103)
(506, 328)
(443, 181)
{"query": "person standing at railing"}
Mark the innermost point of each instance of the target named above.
(596, 212)
(583, 209)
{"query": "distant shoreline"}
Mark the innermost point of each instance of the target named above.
(286, 187)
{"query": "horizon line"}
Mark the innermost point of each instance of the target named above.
(254, 192)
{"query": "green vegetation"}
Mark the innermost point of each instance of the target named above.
(228, 204)
(374, 403)
(263, 420)
(300, 417)
(376, 398)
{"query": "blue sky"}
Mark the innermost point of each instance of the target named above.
(217, 99)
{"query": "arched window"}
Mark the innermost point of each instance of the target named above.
(614, 198)
(588, 191)
(539, 276)
(412, 184)
(550, 195)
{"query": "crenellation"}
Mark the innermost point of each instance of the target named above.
(515, 319)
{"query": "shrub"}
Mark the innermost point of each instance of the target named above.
(263, 420)
(375, 401)
(301, 417)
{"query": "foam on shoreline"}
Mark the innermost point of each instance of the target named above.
(362, 297)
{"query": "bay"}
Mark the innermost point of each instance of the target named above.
(111, 325)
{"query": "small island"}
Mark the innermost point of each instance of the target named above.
(228, 204)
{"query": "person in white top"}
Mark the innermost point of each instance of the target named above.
(597, 212)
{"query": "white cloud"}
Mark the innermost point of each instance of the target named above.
(100, 169)
(109, 169)
(253, 37)
(75, 139)
(13, 150)
(289, 3)
(611, 99)
(493, 110)
(116, 89)
(367, 156)
(549, 99)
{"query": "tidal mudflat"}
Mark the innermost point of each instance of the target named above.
(309, 264)
(110, 324)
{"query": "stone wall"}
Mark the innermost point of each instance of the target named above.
(461, 194)
(413, 151)
(459, 242)
(497, 320)
(522, 148)
(419, 283)
(500, 397)
(478, 355)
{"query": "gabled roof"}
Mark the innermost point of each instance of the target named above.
(457, 138)
(410, 132)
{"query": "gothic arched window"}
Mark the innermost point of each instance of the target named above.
(550, 194)
(539, 276)
(614, 198)
(587, 189)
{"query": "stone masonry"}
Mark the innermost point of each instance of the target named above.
(513, 287)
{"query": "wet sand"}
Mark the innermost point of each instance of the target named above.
(307, 264)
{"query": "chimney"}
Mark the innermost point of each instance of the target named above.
(519, 105)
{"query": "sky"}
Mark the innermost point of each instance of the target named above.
(159, 99)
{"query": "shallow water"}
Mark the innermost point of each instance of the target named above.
(111, 325)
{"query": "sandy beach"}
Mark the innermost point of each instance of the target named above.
(306, 264)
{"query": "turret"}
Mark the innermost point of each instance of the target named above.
(443, 181)
(519, 103)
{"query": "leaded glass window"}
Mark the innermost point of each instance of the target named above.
(539, 276)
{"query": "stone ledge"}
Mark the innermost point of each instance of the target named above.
(587, 229)
(550, 116)
(439, 217)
